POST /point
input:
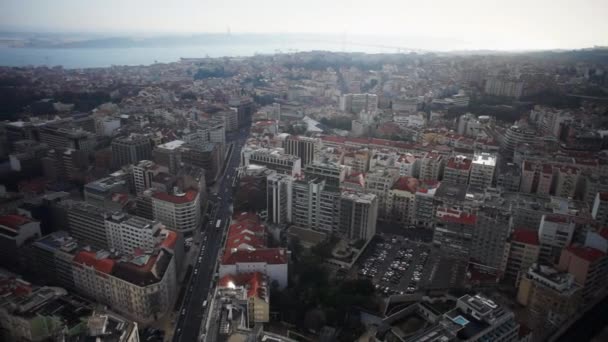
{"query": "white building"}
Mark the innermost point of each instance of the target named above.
(278, 198)
(180, 211)
(126, 233)
(482, 171)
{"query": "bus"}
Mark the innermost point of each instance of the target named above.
(219, 223)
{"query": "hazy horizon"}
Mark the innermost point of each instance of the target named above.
(516, 25)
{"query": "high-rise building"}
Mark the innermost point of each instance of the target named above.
(332, 173)
(453, 232)
(489, 245)
(424, 205)
(15, 231)
(278, 198)
(102, 192)
(589, 267)
(551, 298)
(555, 232)
(143, 174)
(356, 103)
(515, 137)
(600, 208)
(431, 167)
(379, 182)
(501, 86)
(524, 251)
(482, 171)
(206, 156)
(358, 215)
(180, 211)
(127, 233)
(401, 200)
(61, 138)
(168, 155)
(315, 207)
(305, 148)
(230, 118)
(457, 170)
(131, 149)
(277, 161)
(86, 223)
(567, 181)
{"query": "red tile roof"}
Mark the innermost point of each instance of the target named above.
(273, 256)
(189, 196)
(13, 221)
(526, 236)
(587, 253)
(90, 259)
(461, 218)
(405, 183)
(459, 163)
(170, 240)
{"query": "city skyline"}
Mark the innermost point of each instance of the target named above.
(518, 25)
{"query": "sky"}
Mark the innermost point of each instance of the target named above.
(482, 24)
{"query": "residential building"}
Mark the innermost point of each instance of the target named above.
(401, 200)
(551, 299)
(277, 161)
(567, 181)
(482, 171)
(489, 244)
(536, 178)
(524, 251)
(356, 103)
(86, 223)
(457, 170)
(600, 208)
(246, 251)
(128, 233)
(142, 286)
(431, 167)
(278, 198)
(508, 177)
(314, 206)
(555, 233)
(103, 192)
(379, 182)
(358, 215)
(168, 155)
(589, 266)
(424, 205)
(15, 231)
(61, 138)
(143, 174)
(207, 156)
(305, 148)
(332, 174)
(453, 232)
(179, 210)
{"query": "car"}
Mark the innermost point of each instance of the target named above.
(204, 304)
(195, 272)
(183, 312)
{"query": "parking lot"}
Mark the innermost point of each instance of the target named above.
(395, 264)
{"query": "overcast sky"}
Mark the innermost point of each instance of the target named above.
(503, 24)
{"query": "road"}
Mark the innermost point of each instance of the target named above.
(192, 312)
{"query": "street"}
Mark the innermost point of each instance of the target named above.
(192, 311)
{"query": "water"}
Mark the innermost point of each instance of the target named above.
(72, 58)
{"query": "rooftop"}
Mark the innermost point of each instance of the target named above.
(171, 145)
(526, 236)
(181, 198)
(13, 221)
(485, 159)
(587, 253)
